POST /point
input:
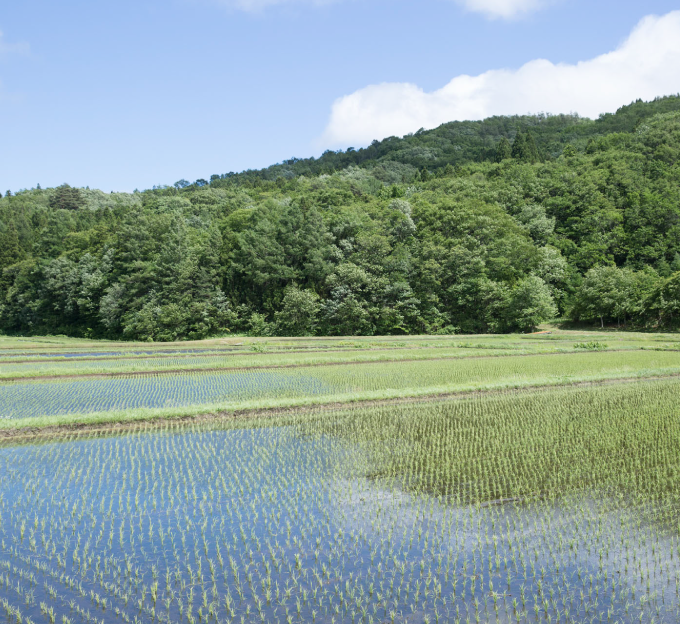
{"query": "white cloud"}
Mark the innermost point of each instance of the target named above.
(647, 64)
(506, 9)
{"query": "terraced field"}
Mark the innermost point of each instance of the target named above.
(486, 479)
(47, 386)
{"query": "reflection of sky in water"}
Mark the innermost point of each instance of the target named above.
(27, 399)
(94, 354)
(295, 513)
(474, 542)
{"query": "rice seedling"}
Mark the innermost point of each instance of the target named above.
(39, 367)
(233, 389)
(557, 505)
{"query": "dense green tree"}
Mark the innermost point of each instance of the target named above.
(539, 225)
(612, 294)
(503, 150)
(531, 153)
(349, 309)
(65, 197)
(420, 234)
(401, 222)
(299, 312)
(10, 247)
(662, 305)
(284, 244)
(524, 148)
(529, 304)
(519, 146)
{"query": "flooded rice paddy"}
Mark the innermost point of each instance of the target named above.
(53, 398)
(45, 397)
(543, 506)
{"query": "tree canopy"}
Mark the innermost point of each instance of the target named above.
(497, 225)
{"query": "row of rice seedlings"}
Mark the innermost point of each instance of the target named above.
(62, 367)
(180, 354)
(113, 350)
(529, 444)
(459, 512)
(32, 399)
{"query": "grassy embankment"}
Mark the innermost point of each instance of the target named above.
(246, 375)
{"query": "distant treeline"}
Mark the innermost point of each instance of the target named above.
(490, 226)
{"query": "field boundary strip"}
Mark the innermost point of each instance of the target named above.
(235, 352)
(233, 369)
(122, 425)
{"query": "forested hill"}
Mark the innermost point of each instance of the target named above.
(472, 227)
(460, 142)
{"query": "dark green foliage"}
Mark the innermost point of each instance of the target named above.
(449, 230)
(10, 246)
(569, 151)
(530, 303)
(591, 346)
(503, 150)
(531, 154)
(298, 313)
(519, 147)
(524, 148)
(612, 294)
(65, 197)
(663, 303)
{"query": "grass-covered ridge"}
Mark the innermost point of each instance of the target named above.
(89, 383)
(440, 232)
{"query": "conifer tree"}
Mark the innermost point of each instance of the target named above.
(503, 150)
(518, 146)
(10, 248)
(531, 154)
(66, 197)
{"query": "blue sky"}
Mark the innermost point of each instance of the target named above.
(128, 94)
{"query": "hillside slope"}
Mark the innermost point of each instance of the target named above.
(450, 230)
(459, 142)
